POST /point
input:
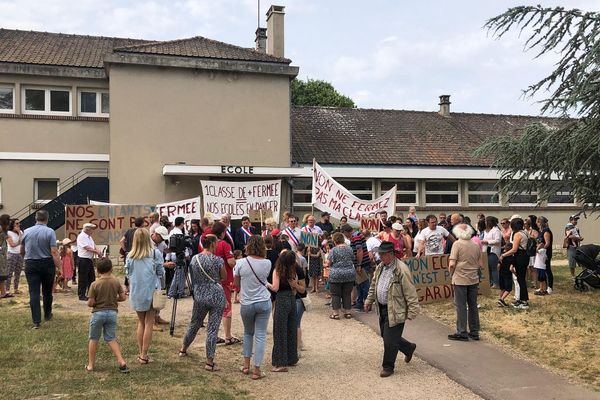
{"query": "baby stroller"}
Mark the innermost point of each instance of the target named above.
(590, 276)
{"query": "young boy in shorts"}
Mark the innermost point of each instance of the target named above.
(104, 295)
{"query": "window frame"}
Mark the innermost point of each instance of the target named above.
(562, 193)
(9, 110)
(442, 192)
(36, 190)
(99, 93)
(47, 90)
(395, 182)
(301, 191)
(359, 192)
(483, 192)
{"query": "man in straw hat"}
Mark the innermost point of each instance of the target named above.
(395, 299)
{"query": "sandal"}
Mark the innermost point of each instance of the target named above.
(245, 370)
(211, 367)
(347, 315)
(279, 369)
(7, 295)
(123, 369)
(334, 316)
(257, 377)
(220, 340)
(182, 353)
(143, 360)
(232, 340)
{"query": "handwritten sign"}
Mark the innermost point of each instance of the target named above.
(328, 195)
(240, 198)
(310, 239)
(188, 209)
(112, 220)
(433, 281)
(260, 215)
(371, 224)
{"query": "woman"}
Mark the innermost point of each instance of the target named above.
(4, 222)
(545, 240)
(195, 234)
(286, 284)
(14, 260)
(208, 271)
(66, 263)
(343, 220)
(315, 266)
(492, 240)
(270, 226)
(302, 274)
(251, 275)
(398, 238)
(421, 224)
(520, 262)
(506, 232)
(144, 268)
(534, 232)
(341, 276)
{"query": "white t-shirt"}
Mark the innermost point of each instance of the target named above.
(373, 242)
(253, 289)
(314, 229)
(16, 238)
(83, 240)
(433, 240)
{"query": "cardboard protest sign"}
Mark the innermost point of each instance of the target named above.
(328, 195)
(112, 221)
(260, 215)
(310, 239)
(188, 209)
(239, 198)
(433, 281)
(370, 223)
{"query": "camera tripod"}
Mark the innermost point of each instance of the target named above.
(181, 280)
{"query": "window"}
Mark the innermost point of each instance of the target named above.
(484, 193)
(528, 195)
(406, 191)
(441, 192)
(563, 196)
(45, 189)
(55, 101)
(363, 189)
(93, 103)
(302, 196)
(7, 99)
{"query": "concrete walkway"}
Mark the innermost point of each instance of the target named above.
(482, 367)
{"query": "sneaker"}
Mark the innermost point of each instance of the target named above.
(502, 303)
(516, 303)
(35, 326)
(456, 336)
(48, 317)
(549, 290)
(474, 336)
(523, 306)
(540, 292)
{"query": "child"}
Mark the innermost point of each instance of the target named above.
(66, 259)
(104, 295)
(237, 255)
(540, 268)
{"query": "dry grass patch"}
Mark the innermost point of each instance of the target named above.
(559, 331)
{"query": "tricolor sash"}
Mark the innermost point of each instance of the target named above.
(292, 236)
(247, 233)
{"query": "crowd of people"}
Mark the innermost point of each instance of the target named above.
(270, 272)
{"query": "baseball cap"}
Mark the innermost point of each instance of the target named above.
(163, 232)
(572, 217)
(397, 226)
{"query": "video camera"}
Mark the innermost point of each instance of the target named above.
(179, 242)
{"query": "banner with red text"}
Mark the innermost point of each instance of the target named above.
(188, 209)
(328, 195)
(239, 198)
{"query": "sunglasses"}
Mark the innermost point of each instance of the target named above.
(504, 223)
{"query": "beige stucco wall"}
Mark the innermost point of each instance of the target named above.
(165, 116)
(17, 178)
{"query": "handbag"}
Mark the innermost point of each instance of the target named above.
(256, 276)
(307, 302)
(566, 242)
(159, 300)
(361, 277)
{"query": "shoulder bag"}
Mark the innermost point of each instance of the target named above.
(159, 300)
(203, 270)
(256, 276)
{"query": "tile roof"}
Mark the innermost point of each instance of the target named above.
(59, 49)
(396, 137)
(201, 47)
(44, 48)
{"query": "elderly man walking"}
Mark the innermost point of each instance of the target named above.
(38, 247)
(465, 261)
(86, 249)
(395, 298)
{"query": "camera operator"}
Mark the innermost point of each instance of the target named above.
(179, 229)
(159, 237)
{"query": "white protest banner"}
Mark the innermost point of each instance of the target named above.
(188, 209)
(239, 198)
(328, 195)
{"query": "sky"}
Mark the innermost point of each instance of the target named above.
(384, 54)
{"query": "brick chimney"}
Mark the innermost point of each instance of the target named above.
(275, 38)
(261, 40)
(444, 105)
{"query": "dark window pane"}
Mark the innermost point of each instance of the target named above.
(364, 196)
(441, 186)
(523, 199)
(482, 187)
(47, 190)
(406, 198)
(402, 185)
(302, 184)
(483, 199)
(88, 102)
(441, 198)
(59, 100)
(6, 98)
(105, 103)
(302, 197)
(356, 185)
(562, 199)
(35, 100)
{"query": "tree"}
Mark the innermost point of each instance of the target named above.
(315, 92)
(566, 150)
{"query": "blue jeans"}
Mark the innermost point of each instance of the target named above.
(103, 321)
(362, 291)
(299, 312)
(255, 317)
(40, 273)
(493, 268)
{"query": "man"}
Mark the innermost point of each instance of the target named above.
(442, 220)
(465, 259)
(373, 242)
(324, 224)
(311, 226)
(455, 219)
(573, 238)
(178, 229)
(159, 239)
(86, 249)
(127, 239)
(243, 234)
(153, 221)
(293, 232)
(362, 263)
(431, 238)
(395, 299)
(38, 247)
(383, 216)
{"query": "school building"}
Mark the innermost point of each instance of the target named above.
(142, 122)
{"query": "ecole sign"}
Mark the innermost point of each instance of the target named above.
(237, 169)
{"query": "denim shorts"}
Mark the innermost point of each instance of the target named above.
(103, 321)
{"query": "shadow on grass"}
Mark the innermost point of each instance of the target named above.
(50, 361)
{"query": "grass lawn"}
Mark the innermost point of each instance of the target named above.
(50, 361)
(559, 331)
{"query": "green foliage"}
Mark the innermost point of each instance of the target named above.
(562, 151)
(315, 92)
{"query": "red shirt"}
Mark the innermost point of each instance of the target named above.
(224, 251)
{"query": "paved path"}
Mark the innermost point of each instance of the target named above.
(482, 367)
